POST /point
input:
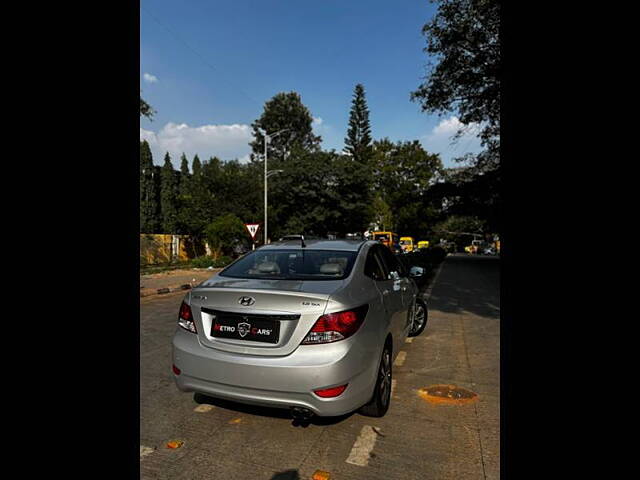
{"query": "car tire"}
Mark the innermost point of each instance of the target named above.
(379, 404)
(420, 313)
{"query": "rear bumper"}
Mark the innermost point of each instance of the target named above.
(281, 382)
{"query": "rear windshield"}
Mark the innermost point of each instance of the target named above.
(293, 265)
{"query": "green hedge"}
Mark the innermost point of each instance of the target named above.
(206, 261)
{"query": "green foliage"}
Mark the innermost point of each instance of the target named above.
(169, 197)
(149, 206)
(184, 175)
(403, 173)
(358, 140)
(459, 229)
(224, 233)
(146, 110)
(284, 111)
(206, 261)
(464, 38)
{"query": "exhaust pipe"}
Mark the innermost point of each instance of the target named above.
(301, 414)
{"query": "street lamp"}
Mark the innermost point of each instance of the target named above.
(267, 139)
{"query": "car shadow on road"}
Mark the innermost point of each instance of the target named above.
(267, 411)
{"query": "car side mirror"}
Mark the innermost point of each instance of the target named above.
(415, 272)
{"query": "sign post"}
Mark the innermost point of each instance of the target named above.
(253, 229)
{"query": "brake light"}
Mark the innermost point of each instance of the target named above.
(330, 392)
(185, 318)
(336, 326)
(176, 370)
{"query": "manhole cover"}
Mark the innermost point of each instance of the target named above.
(447, 394)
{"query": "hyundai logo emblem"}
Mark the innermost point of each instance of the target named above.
(246, 301)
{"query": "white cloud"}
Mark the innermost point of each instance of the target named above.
(150, 78)
(226, 142)
(317, 121)
(440, 140)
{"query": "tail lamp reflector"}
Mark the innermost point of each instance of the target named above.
(330, 392)
(185, 318)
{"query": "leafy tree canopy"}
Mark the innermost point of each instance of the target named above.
(146, 110)
(463, 37)
(284, 111)
(225, 232)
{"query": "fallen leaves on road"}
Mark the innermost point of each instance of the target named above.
(235, 421)
(175, 444)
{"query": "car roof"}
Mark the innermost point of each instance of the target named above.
(349, 245)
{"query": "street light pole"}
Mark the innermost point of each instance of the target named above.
(267, 139)
(265, 187)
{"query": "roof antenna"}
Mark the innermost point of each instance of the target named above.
(302, 241)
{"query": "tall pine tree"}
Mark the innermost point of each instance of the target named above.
(355, 171)
(358, 140)
(149, 209)
(184, 175)
(169, 197)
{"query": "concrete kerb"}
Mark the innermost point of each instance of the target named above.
(427, 293)
(146, 292)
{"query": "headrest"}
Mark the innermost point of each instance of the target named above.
(268, 267)
(331, 269)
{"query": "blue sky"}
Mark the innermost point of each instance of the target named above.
(207, 67)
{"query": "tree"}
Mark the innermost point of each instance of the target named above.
(352, 184)
(196, 166)
(403, 173)
(358, 140)
(149, 215)
(302, 197)
(464, 39)
(284, 111)
(224, 233)
(169, 197)
(146, 110)
(184, 175)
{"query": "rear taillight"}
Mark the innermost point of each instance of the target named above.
(330, 392)
(185, 318)
(176, 370)
(336, 326)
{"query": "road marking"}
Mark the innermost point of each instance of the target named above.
(393, 386)
(408, 340)
(144, 451)
(361, 450)
(203, 408)
(402, 356)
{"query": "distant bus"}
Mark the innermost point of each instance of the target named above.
(389, 239)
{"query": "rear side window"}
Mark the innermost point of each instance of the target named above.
(392, 263)
(372, 266)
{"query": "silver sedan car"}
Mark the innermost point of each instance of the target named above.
(313, 327)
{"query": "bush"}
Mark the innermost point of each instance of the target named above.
(205, 262)
(202, 262)
(222, 261)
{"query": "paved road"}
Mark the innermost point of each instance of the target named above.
(415, 440)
